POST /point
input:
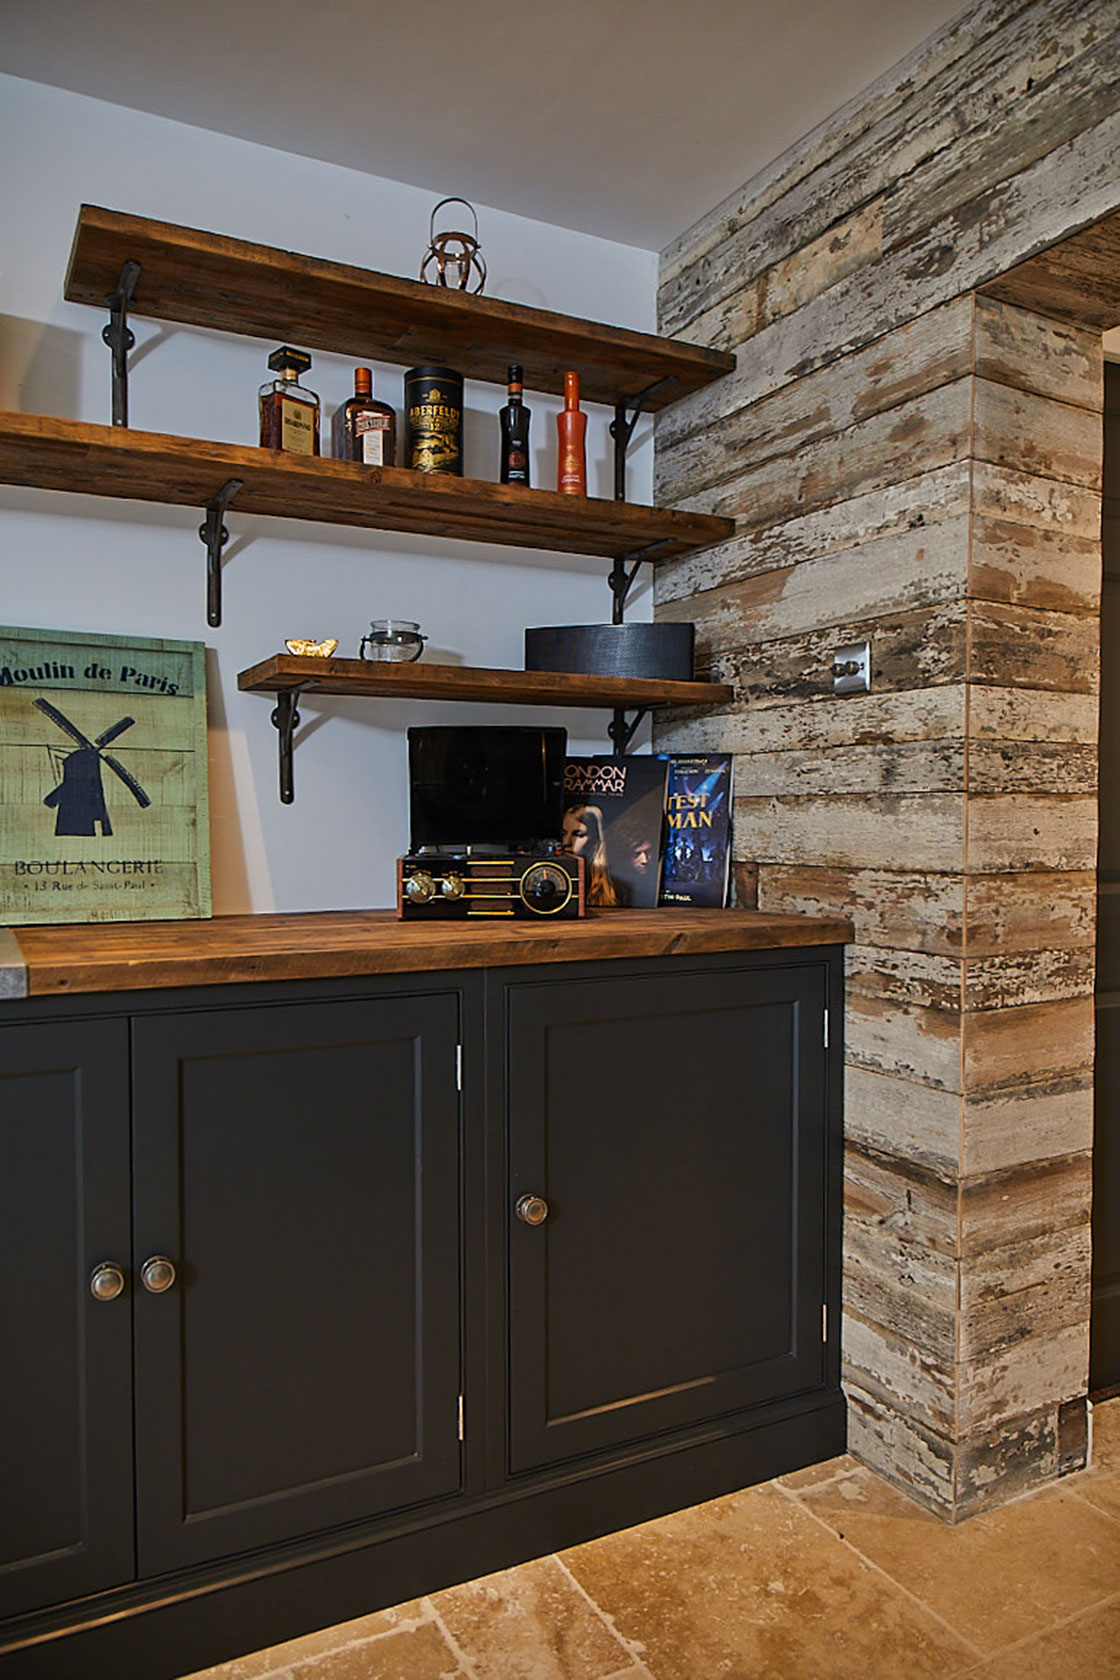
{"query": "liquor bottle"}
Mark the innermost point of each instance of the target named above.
(364, 429)
(289, 412)
(514, 419)
(571, 429)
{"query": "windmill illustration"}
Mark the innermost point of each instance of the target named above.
(79, 798)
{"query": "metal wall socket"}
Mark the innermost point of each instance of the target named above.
(851, 669)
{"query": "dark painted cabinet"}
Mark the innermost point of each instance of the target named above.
(376, 1369)
(673, 1126)
(298, 1166)
(66, 1388)
(303, 1369)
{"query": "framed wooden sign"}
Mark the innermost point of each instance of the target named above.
(104, 809)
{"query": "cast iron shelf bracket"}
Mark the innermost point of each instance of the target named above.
(621, 732)
(120, 338)
(214, 534)
(285, 719)
(621, 581)
(626, 414)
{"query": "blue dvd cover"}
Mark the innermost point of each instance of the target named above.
(697, 862)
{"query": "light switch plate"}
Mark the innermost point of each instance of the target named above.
(851, 669)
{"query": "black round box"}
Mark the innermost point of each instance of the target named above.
(613, 650)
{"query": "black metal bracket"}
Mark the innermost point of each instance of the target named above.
(621, 581)
(214, 534)
(120, 338)
(285, 718)
(621, 732)
(626, 416)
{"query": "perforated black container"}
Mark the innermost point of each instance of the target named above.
(614, 650)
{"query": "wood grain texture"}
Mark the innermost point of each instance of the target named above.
(314, 945)
(151, 466)
(1060, 360)
(1076, 280)
(207, 280)
(420, 681)
(866, 517)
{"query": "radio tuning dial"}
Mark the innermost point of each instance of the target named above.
(546, 887)
(420, 888)
(452, 886)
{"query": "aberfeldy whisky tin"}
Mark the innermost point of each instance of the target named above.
(433, 419)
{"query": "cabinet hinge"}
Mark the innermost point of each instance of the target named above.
(824, 1321)
(461, 1430)
(459, 1067)
(826, 1029)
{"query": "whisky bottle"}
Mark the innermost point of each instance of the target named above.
(289, 412)
(364, 429)
(514, 418)
(571, 431)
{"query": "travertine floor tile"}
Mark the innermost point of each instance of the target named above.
(530, 1623)
(1087, 1648)
(751, 1586)
(814, 1473)
(998, 1577)
(419, 1653)
(1100, 1483)
(279, 1659)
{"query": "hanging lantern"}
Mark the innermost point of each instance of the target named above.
(455, 256)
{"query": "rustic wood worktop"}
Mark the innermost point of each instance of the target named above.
(129, 956)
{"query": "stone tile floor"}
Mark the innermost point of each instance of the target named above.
(822, 1575)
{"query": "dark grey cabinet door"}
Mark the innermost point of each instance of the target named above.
(66, 1357)
(675, 1126)
(298, 1164)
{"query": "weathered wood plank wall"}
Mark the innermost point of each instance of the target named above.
(917, 463)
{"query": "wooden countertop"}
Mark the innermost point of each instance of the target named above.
(129, 956)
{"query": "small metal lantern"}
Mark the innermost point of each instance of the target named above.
(458, 252)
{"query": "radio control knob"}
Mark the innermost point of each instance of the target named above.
(452, 886)
(420, 888)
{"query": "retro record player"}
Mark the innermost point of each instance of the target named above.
(485, 812)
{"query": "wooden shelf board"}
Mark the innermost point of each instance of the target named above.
(75, 456)
(420, 681)
(207, 280)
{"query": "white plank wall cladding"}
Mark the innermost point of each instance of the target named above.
(911, 446)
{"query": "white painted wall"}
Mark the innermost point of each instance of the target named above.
(131, 568)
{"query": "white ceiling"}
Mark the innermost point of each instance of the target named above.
(624, 118)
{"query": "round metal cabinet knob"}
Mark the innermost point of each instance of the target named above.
(532, 1210)
(157, 1274)
(106, 1281)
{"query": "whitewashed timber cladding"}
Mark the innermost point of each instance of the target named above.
(919, 465)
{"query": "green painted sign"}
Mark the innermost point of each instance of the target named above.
(104, 810)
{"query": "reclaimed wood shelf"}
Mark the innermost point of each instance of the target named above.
(232, 285)
(71, 455)
(287, 676)
(383, 680)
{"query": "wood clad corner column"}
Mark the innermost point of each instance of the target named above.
(936, 493)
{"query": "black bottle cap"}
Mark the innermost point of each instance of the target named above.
(287, 358)
(514, 375)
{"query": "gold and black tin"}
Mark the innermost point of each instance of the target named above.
(433, 420)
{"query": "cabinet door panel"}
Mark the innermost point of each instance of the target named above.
(66, 1391)
(675, 1126)
(300, 1167)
